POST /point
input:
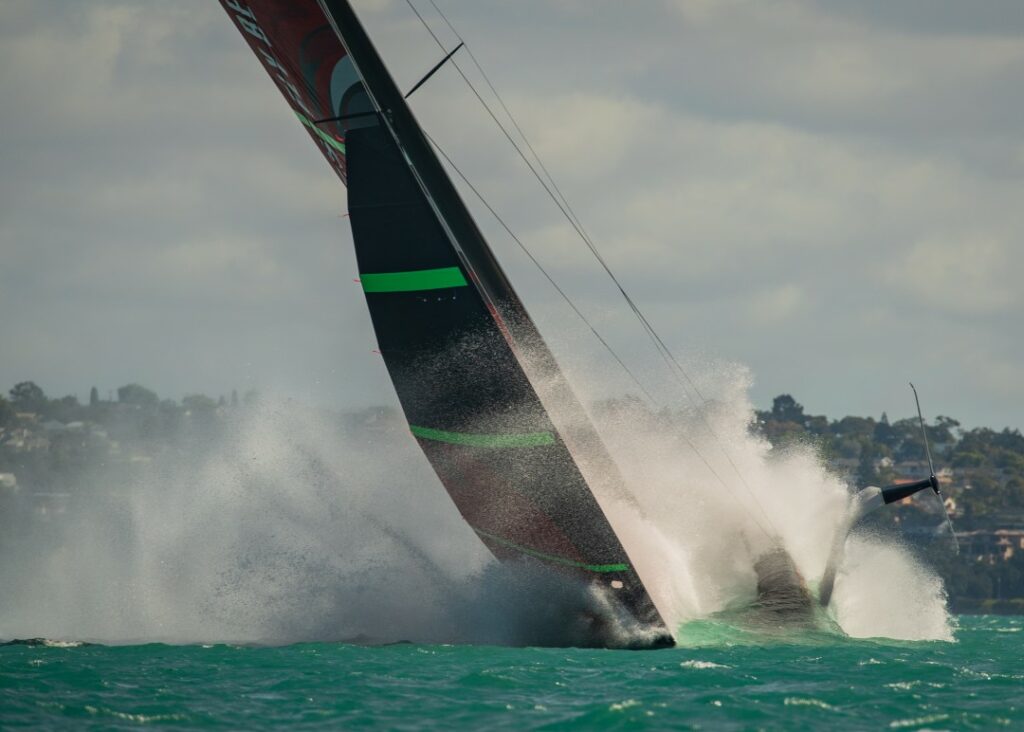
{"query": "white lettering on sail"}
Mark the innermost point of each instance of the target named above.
(294, 94)
(239, 8)
(246, 20)
(252, 29)
(269, 59)
(281, 74)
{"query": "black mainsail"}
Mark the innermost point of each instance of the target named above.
(471, 371)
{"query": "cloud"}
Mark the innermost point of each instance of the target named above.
(973, 274)
(775, 305)
(812, 188)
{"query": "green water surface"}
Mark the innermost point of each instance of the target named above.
(724, 681)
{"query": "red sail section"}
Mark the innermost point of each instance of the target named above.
(303, 56)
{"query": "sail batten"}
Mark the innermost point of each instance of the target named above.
(413, 281)
(523, 439)
(325, 137)
(602, 568)
(460, 349)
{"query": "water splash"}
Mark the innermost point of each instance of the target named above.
(883, 591)
(288, 528)
(714, 497)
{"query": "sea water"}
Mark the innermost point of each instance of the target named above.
(723, 677)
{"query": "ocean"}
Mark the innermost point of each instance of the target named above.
(721, 678)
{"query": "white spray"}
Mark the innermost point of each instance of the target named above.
(714, 496)
(290, 529)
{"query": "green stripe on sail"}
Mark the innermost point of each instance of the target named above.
(528, 439)
(419, 279)
(551, 558)
(339, 146)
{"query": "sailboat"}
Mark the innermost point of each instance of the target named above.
(482, 393)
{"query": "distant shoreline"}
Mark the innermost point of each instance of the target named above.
(970, 606)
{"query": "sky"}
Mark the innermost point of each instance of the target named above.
(828, 193)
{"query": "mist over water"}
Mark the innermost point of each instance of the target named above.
(287, 527)
(284, 528)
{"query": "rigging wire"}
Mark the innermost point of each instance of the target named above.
(537, 263)
(568, 211)
(508, 112)
(559, 199)
(555, 192)
(556, 195)
(572, 305)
